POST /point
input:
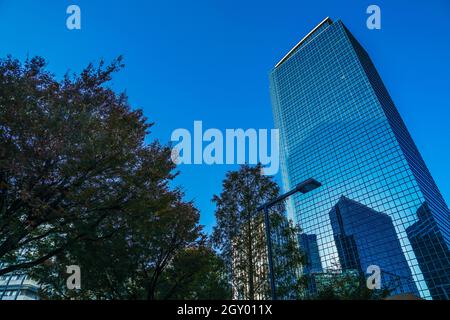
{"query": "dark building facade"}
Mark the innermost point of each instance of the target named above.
(365, 237)
(432, 253)
(308, 243)
(339, 125)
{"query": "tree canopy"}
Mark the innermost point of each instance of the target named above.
(79, 186)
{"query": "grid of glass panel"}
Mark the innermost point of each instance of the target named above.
(378, 204)
(18, 286)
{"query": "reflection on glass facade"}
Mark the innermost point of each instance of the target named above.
(308, 244)
(365, 237)
(313, 266)
(432, 253)
(339, 125)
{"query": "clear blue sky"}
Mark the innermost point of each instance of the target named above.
(209, 60)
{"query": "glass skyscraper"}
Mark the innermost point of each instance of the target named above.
(378, 204)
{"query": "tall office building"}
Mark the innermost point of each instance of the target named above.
(339, 125)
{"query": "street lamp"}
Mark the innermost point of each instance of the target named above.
(303, 187)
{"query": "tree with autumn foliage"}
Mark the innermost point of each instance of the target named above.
(79, 186)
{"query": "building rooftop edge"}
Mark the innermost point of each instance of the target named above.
(326, 20)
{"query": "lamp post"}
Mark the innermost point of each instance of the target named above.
(303, 187)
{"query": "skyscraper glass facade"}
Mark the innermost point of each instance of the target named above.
(18, 286)
(378, 204)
